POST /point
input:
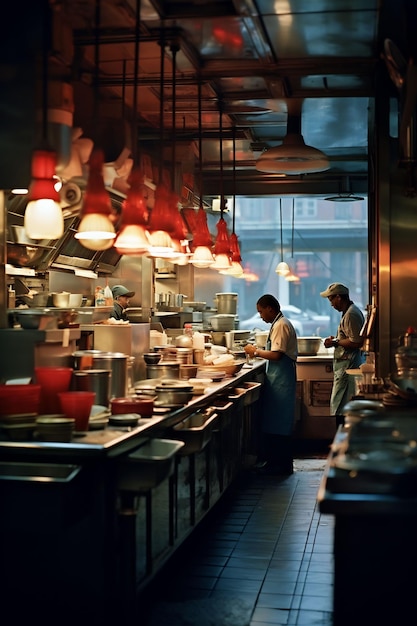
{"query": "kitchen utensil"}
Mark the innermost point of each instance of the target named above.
(54, 428)
(226, 369)
(152, 358)
(188, 370)
(222, 322)
(94, 380)
(114, 361)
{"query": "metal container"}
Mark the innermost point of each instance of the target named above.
(114, 361)
(164, 369)
(222, 322)
(97, 381)
(226, 303)
(308, 346)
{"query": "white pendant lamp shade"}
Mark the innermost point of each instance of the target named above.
(221, 262)
(282, 268)
(293, 157)
(96, 232)
(202, 257)
(43, 219)
(132, 240)
(43, 215)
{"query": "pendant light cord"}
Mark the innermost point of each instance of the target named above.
(200, 144)
(135, 148)
(96, 99)
(221, 159)
(174, 50)
(280, 221)
(292, 230)
(234, 177)
(45, 63)
(161, 106)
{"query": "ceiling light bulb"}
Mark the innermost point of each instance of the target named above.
(282, 269)
(235, 270)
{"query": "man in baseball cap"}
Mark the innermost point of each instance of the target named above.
(121, 297)
(335, 289)
(347, 347)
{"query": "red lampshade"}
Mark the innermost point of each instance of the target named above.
(222, 243)
(43, 172)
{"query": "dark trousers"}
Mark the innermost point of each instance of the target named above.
(277, 451)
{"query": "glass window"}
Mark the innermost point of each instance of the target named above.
(325, 242)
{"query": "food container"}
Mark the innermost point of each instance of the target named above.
(222, 322)
(114, 361)
(61, 300)
(19, 399)
(75, 300)
(94, 380)
(141, 404)
(308, 346)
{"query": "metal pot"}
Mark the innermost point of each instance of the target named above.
(164, 369)
(173, 392)
(114, 361)
(308, 346)
(97, 381)
(226, 303)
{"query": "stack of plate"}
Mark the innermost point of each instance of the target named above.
(54, 428)
(18, 427)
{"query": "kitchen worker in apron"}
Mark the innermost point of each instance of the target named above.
(121, 295)
(279, 390)
(347, 347)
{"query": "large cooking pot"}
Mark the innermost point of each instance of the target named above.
(100, 360)
(164, 369)
(172, 392)
(226, 303)
(308, 346)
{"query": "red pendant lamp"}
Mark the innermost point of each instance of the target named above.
(43, 215)
(160, 222)
(222, 252)
(202, 243)
(236, 268)
(96, 229)
(133, 235)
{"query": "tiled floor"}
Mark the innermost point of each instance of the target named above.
(263, 557)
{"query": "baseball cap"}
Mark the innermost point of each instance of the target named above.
(335, 289)
(121, 290)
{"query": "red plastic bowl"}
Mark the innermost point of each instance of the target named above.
(143, 405)
(17, 399)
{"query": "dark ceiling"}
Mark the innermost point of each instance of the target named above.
(260, 62)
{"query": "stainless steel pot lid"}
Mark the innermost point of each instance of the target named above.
(125, 419)
(176, 385)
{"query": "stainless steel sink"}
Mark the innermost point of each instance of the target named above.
(38, 472)
(195, 431)
(149, 465)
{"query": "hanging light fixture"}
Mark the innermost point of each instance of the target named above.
(345, 194)
(236, 268)
(291, 277)
(160, 224)
(96, 229)
(293, 156)
(43, 215)
(133, 236)
(222, 252)
(202, 243)
(282, 268)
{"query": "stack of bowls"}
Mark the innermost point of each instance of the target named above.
(54, 428)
